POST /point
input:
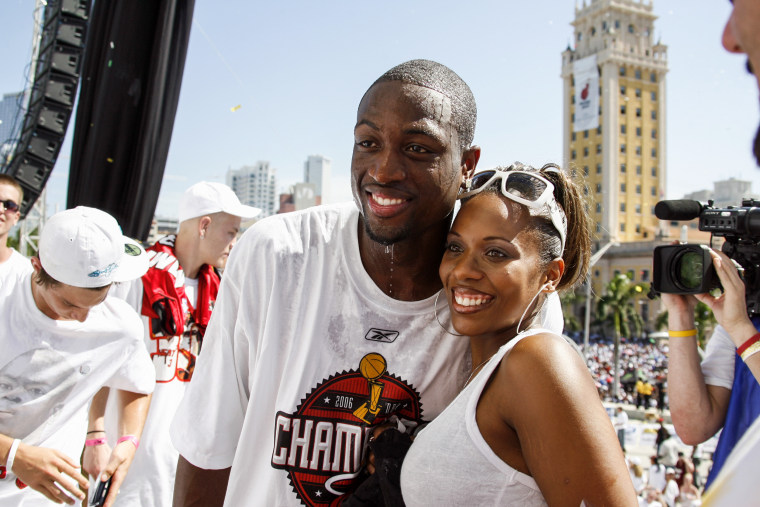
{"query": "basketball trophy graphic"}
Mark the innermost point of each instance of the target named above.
(372, 367)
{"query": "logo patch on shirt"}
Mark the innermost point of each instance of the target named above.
(381, 335)
(321, 445)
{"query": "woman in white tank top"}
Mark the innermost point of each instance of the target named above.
(528, 428)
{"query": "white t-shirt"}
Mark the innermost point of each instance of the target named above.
(302, 354)
(718, 363)
(450, 463)
(735, 484)
(14, 268)
(150, 481)
(50, 370)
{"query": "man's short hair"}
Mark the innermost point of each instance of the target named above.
(43, 279)
(442, 79)
(9, 180)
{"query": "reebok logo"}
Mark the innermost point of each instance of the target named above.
(381, 335)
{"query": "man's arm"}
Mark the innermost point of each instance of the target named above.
(95, 457)
(196, 487)
(40, 468)
(698, 409)
(133, 409)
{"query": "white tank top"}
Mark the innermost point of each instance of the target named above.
(450, 462)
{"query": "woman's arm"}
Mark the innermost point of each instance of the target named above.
(566, 438)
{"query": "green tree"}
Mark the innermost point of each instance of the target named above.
(569, 302)
(703, 320)
(617, 307)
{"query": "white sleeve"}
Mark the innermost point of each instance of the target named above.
(209, 420)
(718, 364)
(137, 373)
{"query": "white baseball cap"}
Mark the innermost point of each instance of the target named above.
(84, 247)
(207, 197)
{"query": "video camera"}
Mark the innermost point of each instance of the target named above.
(688, 269)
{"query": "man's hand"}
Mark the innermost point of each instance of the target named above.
(43, 470)
(95, 459)
(117, 468)
(730, 308)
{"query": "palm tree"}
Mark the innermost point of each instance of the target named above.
(569, 302)
(616, 305)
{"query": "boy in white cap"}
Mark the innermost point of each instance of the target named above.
(62, 339)
(178, 294)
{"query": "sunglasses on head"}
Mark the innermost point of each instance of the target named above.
(523, 187)
(9, 205)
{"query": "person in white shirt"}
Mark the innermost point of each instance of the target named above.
(621, 421)
(175, 297)
(529, 429)
(324, 326)
(13, 265)
(62, 339)
(671, 491)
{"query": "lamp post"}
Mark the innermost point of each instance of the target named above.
(587, 319)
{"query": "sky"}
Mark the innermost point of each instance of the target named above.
(298, 69)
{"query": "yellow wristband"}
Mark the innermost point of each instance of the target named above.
(750, 351)
(682, 334)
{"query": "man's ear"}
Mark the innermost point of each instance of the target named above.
(36, 264)
(203, 225)
(470, 158)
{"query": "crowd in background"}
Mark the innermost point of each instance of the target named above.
(643, 372)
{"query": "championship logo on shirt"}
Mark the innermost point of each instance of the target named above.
(322, 444)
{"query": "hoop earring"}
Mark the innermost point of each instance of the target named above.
(435, 312)
(544, 286)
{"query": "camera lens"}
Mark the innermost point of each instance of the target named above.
(690, 269)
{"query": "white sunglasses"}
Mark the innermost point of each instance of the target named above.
(524, 187)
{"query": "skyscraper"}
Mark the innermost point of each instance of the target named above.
(255, 186)
(614, 115)
(316, 170)
(11, 118)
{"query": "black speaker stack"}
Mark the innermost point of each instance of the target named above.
(58, 68)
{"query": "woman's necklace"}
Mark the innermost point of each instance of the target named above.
(474, 370)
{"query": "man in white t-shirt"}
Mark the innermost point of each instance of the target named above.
(621, 421)
(176, 297)
(325, 324)
(62, 339)
(13, 265)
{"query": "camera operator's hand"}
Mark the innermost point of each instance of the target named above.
(680, 311)
(730, 308)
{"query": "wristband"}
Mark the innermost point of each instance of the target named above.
(94, 441)
(744, 346)
(131, 438)
(12, 455)
(682, 334)
(750, 351)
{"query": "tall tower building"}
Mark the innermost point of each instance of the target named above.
(11, 118)
(614, 115)
(255, 186)
(316, 170)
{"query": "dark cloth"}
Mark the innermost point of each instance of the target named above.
(383, 488)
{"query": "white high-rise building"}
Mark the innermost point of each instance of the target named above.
(316, 170)
(11, 118)
(255, 186)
